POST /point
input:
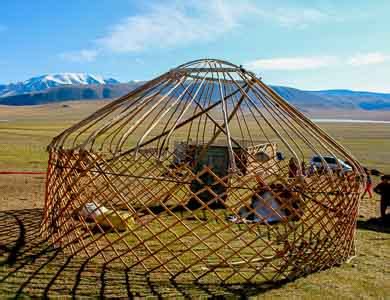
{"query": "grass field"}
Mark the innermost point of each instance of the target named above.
(29, 268)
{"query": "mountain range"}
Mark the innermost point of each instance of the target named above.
(41, 83)
(81, 86)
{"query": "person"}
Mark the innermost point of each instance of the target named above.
(368, 184)
(312, 170)
(303, 168)
(293, 167)
(383, 189)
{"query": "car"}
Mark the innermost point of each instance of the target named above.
(334, 164)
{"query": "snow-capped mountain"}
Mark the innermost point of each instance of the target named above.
(81, 86)
(47, 81)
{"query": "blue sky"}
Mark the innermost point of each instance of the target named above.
(318, 44)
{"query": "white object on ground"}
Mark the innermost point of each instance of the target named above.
(107, 218)
(266, 209)
(90, 210)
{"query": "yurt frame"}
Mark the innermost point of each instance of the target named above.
(118, 192)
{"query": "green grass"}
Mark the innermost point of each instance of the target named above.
(34, 269)
(23, 145)
(29, 267)
(24, 142)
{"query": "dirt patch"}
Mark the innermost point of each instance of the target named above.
(18, 192)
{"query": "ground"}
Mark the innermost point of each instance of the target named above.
(28, 267)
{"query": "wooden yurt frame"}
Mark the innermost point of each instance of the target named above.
(115, 191)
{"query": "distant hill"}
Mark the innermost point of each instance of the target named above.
(79, 86)
(340, 99)
(44, 82)
(70, 92)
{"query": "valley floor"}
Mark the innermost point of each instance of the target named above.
(29, 269)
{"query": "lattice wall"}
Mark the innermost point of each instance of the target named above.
(234, 210)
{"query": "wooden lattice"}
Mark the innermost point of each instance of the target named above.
(204, 174)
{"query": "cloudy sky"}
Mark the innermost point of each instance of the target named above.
(316, 44)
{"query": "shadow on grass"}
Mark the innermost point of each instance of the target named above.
(30, 266)
(375, 224)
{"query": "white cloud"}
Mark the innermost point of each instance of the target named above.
(371, 58)
(181, 23)
(317, 62)
(80, 56)
(300, 18)
(292, 63)
(168, 26)
(174, 25)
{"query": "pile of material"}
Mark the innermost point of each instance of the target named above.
(107, 219)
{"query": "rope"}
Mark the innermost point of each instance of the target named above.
(22, 173)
